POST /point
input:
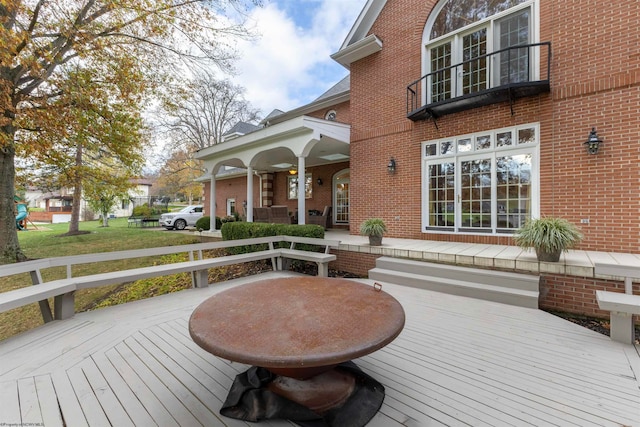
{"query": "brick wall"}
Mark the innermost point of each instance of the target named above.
(577, 294)
(354, 262)
(233, 188)
(343, 114)
(595, 81)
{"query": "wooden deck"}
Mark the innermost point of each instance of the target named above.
(459, 361)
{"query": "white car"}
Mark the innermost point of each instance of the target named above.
(185, 217)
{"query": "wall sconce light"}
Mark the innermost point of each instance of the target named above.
(391, 166)
(593, 142)
(319, 181)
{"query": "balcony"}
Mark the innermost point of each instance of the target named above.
(503, 75)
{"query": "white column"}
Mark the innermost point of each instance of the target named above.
(301, 199)
(212, 203)
(249, 194)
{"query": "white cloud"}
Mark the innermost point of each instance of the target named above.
(289, 64)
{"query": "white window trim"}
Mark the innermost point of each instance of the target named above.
(229, 202)
(489, 22)
(493, 152)
(307, 178)
(334, 183)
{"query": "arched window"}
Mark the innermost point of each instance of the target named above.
(466, 32)
(457, 14)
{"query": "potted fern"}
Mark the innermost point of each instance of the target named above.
(374, 228)
(549, 236)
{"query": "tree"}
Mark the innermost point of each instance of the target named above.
(177, 176)
(40, 40)
(200, 113)
(95, 136)
(102, 196)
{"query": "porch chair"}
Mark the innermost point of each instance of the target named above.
(322, 220)
(260, 214)
(279, 215)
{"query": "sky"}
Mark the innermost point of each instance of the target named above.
(289, 64)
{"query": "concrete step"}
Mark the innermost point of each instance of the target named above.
(469, 282)
(525, 282)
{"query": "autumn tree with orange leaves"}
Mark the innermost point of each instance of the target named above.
(130, 44)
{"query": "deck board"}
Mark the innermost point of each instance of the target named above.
(459, 361)
(48, 401)
(106, 396)
(170, 401)
(29, 406)
(134, 409)
(86, 397)
(143, 394)
(10, 403)
(68, 401)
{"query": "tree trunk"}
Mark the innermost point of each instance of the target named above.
(105, 217)
(9, 245)
(74, 225)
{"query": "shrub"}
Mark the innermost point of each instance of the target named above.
(373, 227)
(549, 236)
(204, 223)
(147, 211)
(248, 230)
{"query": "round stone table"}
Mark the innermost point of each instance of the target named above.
(299, 328)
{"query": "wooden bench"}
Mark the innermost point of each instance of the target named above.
(321, 259)
(622, 306)
(62, 290)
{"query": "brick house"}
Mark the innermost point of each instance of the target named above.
(458, 121)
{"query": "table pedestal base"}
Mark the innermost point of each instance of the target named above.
(328, 390)
(341, 397)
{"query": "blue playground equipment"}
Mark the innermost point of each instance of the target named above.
(21, 217)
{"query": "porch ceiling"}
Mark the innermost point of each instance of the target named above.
(277, 147)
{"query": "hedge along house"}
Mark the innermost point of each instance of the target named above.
(484, 109)
(303, 151)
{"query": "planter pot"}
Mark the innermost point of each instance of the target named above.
(548, 256)
(375, 240)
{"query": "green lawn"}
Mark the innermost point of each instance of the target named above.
(46, 241)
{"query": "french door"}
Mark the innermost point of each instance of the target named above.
(341, 197)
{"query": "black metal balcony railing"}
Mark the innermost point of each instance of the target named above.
(503, 75)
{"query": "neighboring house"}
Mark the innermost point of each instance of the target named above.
(138, 195)
(59, 203)
(458, 121)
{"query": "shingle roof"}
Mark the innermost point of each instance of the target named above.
(342, 86)
(243, 128)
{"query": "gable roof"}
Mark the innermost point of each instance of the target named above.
(358, 44)
(341, 87)
(340, 92)
(364, 22)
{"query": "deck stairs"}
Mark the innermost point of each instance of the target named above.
(490, 285)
